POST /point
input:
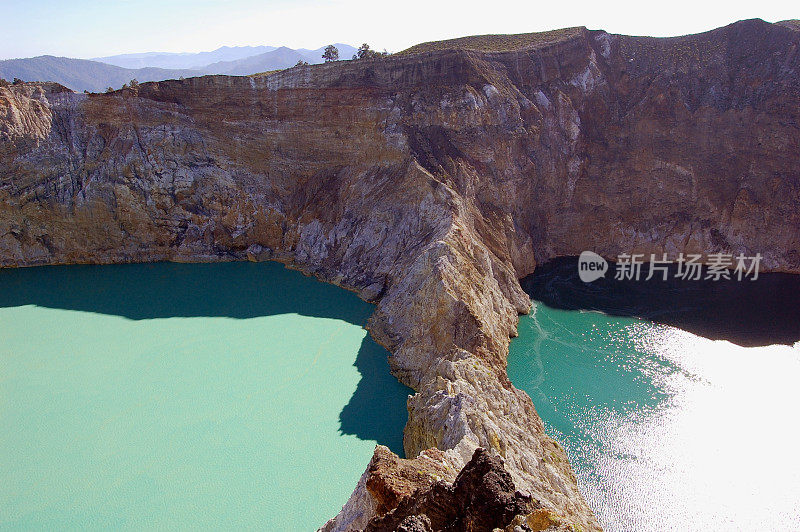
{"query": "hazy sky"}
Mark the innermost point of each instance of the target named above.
(84, 28)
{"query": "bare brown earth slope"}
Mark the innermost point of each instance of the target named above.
(429, 182)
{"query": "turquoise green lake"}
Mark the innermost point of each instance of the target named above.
(666, 430)
(163, 396)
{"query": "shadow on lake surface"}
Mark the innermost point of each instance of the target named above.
(170, 290)
(747, 313)
(377, 409)
(240, 290)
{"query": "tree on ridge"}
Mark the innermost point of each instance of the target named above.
(331, 53)
(365, 52)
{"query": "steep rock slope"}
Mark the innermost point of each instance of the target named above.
(429, 183)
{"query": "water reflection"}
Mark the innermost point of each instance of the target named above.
(666, 429)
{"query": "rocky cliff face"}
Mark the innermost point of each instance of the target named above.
(429, 182)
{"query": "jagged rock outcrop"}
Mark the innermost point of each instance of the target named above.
(429, 182)
(481, 498)
(425, 494)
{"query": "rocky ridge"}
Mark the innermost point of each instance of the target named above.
(429, 183)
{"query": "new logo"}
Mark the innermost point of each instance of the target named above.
(591, 266)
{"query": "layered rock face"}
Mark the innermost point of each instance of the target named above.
(429, 182)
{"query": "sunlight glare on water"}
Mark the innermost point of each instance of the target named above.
(666, 430)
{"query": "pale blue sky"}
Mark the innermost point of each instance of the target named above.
(84, 28)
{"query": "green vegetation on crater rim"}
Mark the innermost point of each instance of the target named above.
(521, 41)
(496, 43)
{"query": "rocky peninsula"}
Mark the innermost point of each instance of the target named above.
(430, 182)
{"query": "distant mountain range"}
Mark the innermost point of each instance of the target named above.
(82, 74)
(275, 59)
(97, 74)
(184, 60)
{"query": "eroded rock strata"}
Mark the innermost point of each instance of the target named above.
(429, 182)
